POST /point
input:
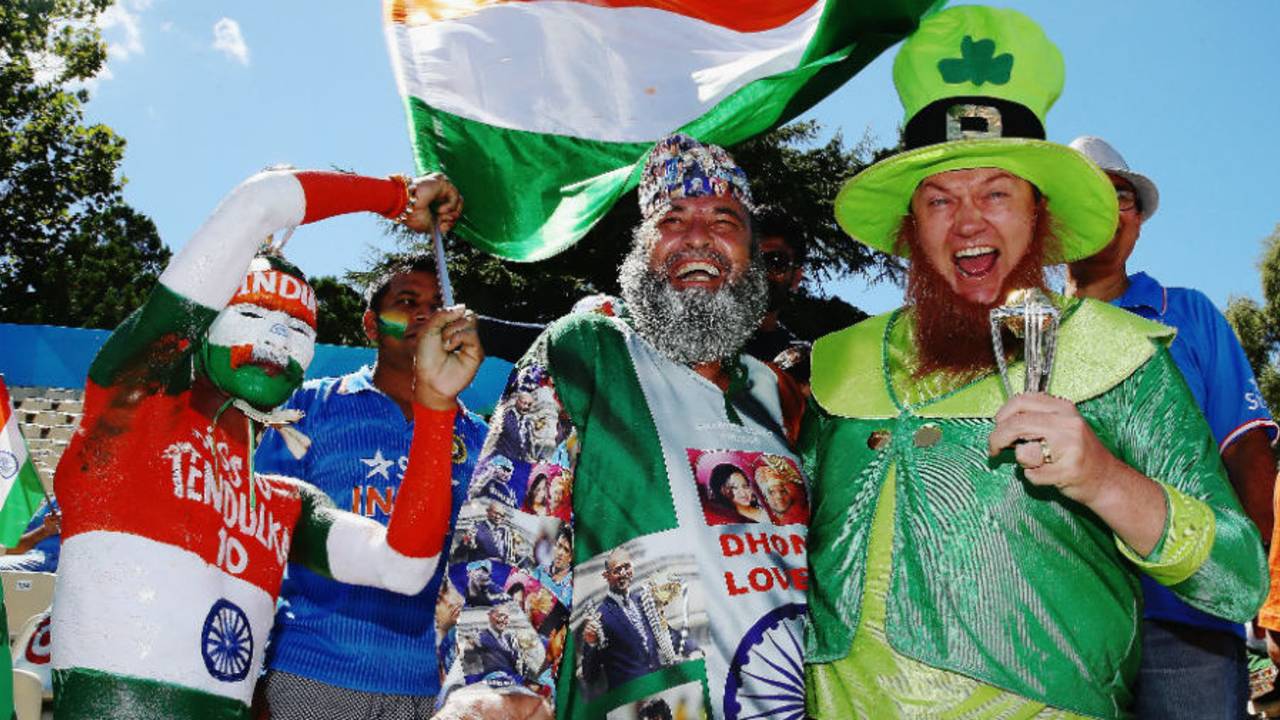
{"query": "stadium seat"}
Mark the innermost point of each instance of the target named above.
(26, 594)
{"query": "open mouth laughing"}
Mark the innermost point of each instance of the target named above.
(977, 261)
(697, 268)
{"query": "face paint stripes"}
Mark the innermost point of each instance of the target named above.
(275, 290)
(393, 324)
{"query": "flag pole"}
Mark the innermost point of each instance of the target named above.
(442, 269)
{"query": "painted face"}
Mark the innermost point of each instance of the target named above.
(702, 242)
(260, 345)
(974, 226)
(411, 299)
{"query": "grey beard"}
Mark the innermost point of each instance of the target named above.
(694, 325)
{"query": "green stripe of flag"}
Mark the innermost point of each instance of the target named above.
(532, 195)
(21, 502)
(80, 694)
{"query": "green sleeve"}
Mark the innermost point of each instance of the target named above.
(310, 537)
(1154, 424)
(153, 347)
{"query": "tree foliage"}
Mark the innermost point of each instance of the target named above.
(71, 251)
(339, 314)
(1258, 326)
(792, 173)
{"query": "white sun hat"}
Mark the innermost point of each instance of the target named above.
(1111, 161)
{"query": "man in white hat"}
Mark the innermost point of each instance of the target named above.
(1183, 647)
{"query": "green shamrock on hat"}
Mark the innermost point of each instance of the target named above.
(978, 64)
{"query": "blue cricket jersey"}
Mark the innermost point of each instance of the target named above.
(1212, 362)
(355, 637)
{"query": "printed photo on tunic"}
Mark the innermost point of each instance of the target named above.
(489, 530)
(638, 608)
(498, 478)
(726, 488)
(533, 427)
(550, 491)
(738, 487)
(499, 647)
(480, 582)
(682, 702)
(544, 610)
(782, 485)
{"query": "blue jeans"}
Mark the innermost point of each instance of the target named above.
(1190, 672)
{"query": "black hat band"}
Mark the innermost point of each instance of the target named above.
(971, 118)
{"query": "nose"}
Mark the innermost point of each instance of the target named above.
(698, 234)
(968, 218)
(280, 329)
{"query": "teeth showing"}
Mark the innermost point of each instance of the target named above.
(694, 267)
(975, 251)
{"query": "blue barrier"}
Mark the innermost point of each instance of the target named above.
(51, 356)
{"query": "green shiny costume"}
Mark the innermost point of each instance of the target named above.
(994, 597)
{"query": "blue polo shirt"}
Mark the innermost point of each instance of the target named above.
(354, 637)
(1212, 362)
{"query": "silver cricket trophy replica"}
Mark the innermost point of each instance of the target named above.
(1032, 318)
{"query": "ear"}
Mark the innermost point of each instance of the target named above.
(370, 322)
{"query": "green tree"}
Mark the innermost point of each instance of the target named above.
(791, 170)
(1258, 325)
(341, 308)
(72, 252)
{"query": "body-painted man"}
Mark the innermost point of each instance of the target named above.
(975, 555)
(173, 547)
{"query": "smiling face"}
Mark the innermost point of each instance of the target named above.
(703, 242)
(259, 346)
(498, 619)
(737, 490)
(974, 226)
(563, 553)
(618, 571)
(410, 300)
(779, 493)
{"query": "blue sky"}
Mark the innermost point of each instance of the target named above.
(206, 94)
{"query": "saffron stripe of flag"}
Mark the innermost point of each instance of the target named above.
(541, 110)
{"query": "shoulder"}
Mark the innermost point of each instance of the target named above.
(314, 391)
(1191, 309)
(848, 364)
(581, 327)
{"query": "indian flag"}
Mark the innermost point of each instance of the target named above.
(19, 482)
(540, 110)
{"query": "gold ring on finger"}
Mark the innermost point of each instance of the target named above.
(1046, 452)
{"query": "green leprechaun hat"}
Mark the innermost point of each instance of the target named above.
(976, 83)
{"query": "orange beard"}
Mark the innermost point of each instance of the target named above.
(953, 334)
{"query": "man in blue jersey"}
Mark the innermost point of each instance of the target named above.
(1193, 664)
(340, 651)
(38, 548)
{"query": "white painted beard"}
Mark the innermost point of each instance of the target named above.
(694, 325)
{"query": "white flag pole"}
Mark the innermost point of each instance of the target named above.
(442, 269)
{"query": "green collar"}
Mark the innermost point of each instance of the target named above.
(1098, 346)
